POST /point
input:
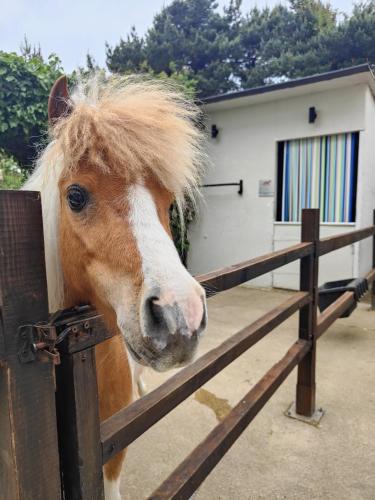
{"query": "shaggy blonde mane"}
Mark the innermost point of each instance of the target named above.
(127, 127)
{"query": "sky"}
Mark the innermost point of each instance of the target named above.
(71, 28)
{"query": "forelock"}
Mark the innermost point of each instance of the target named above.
(132, 126)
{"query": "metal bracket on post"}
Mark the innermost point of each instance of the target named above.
(314, 420)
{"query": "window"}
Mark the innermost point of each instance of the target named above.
(318, 172)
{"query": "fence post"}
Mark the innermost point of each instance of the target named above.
(79, 426)
(305, 398)
(29, 459)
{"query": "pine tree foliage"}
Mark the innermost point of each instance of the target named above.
(225, 50)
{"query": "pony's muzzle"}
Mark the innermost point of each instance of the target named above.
(174, 325)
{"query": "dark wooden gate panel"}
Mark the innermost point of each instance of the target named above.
(29, 463)
(79, 426)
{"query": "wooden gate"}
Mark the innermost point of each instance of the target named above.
(57, 449)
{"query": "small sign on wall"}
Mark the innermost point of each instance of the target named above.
(266, 189)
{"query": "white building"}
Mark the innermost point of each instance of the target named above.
(288, 158)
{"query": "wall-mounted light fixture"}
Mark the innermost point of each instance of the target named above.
(312, 114)
(214, 131)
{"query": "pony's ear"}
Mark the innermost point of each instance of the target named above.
(58, 102)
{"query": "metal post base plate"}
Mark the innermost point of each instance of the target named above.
(315, 418)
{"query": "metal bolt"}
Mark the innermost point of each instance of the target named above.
(86, 325)
(75, 329)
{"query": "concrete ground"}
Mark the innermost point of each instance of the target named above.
(276, 457)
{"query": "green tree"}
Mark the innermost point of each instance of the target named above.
(229, 50)
(187, 37)
(26, 81)
(286, 42)
(223, 52)
(354, 40)
(128, 56)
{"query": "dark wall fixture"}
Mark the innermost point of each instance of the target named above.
(239, 184)
(312, 114)
(214, 131)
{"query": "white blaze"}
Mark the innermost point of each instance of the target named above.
(161, 265)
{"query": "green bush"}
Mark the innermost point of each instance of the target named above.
(26, 81)
(11, 176)
(179, 223)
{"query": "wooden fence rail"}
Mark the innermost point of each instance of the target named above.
(195, 468)
(124, 427)
(229, 277)
(34, 462)
(332, 243)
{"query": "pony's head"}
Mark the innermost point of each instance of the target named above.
(125, 150)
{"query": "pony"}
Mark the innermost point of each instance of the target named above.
(121, 150)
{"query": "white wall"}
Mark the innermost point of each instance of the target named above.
(366, 184)
(232, 228)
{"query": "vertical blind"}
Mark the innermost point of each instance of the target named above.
(319, 172)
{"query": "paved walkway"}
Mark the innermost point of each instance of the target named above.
(276, 457)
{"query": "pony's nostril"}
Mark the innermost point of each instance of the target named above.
(155, 311)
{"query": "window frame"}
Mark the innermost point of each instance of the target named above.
(280, 147)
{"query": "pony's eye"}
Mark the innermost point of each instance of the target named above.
(77, 197)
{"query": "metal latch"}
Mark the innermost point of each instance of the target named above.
(39, 340)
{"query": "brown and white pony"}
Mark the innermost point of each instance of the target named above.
(121, 151)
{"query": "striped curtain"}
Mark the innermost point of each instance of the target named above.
(320, 172)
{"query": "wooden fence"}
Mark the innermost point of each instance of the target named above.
(50, 450)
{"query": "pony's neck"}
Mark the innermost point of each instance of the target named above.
(45, 179)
